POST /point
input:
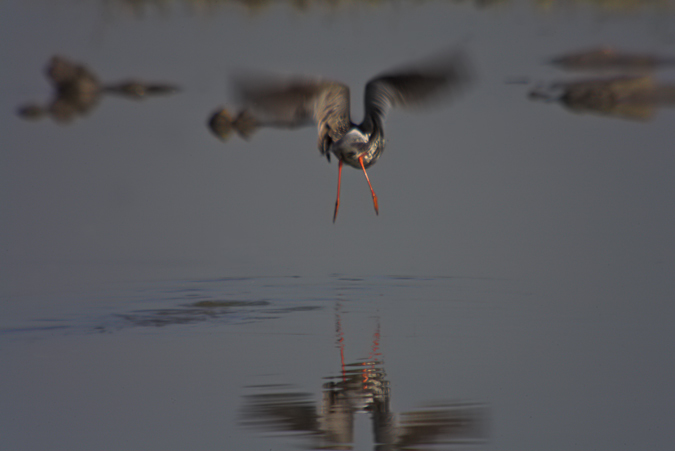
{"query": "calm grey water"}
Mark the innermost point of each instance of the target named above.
(163, 290)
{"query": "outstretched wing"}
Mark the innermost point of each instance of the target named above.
(413, 86)
(299, 102)
(331, 112)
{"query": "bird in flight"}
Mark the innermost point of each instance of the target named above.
(297, 102)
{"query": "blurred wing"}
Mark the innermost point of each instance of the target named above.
(414, 86)
(331, 112)
(442, 425)
(298, 102)
(288, 412)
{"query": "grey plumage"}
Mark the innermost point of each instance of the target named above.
(302, 101)
(326, 103)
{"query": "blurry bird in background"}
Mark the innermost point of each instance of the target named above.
(296, 102)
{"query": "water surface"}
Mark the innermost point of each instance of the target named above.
(158, 285)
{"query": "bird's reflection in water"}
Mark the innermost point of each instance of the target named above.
(299, 101)
(363, 388)
(77, 91)
(631, 93)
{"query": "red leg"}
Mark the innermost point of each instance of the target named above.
(377, 212)
(337, 201)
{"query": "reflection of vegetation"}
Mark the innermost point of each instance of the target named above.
(138, 7)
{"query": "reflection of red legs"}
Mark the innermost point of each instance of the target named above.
(377, 212)
(341, 341)
(374, 354)
(337, 201)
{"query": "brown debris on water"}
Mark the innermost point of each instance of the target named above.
(77, 91)
(629, 89)
(608, 59)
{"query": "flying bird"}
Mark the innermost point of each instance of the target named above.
(302, 101)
